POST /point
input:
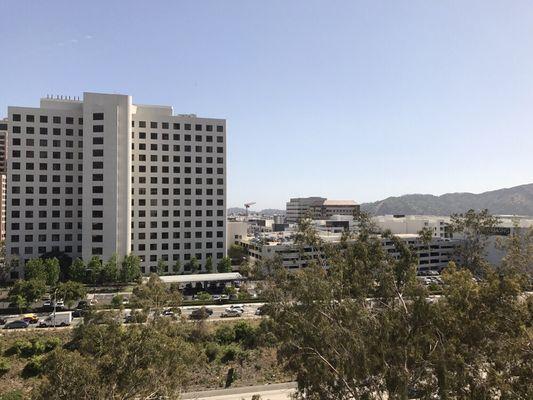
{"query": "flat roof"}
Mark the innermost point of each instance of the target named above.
(225, 276)
(340, 203)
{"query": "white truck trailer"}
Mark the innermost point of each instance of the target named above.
(60, 318)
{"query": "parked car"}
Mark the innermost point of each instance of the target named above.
(231, 312)
(19, 324)
(82, 304)
(30, 318)
(47, 303)
(216, 297)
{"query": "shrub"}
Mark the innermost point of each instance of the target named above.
(139, 316)
(225, 334)
(5, 366)
(27, 348)
(230, 354)
(34, 367)
(12, 395)
(203, 296)
(246, 334)
(211, 351)
(51, 343)
(21, 347)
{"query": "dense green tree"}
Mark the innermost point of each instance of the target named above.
(194, 265)
(224, 265)
(177, 267)
(64, 262)
(25, 292)
(474, 228)
(162, 267)
(367, 329)
(94, 270)
(70, 291)
(209, 265)
(237, 254)
(117, 301)
(150, 361)
(109, 272)
(130, 268)
(34, 269)
(155, 295)
(77, 270)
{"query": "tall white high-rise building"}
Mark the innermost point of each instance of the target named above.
(102, 175)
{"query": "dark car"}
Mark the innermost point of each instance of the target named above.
(201, 313)
(16, 325)
(78, 313)
(83, 304)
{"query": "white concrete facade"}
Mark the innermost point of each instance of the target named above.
(413, 224)
(434, 256)
(101, 175)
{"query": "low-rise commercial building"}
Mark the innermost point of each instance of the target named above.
(433, 256)
(318, 208)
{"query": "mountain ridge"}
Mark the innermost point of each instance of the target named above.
(516, 200)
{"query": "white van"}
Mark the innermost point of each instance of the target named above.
(62, 318)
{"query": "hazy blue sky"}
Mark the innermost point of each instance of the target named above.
(344, 99)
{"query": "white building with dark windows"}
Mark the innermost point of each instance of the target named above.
(102, 175)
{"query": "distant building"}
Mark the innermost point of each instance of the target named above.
(318, 208)
(413, 224)
(434, 256)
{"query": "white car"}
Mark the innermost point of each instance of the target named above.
(238, 307)
(231, 312)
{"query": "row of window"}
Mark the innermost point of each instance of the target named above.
(30, 130)
(176, 148)
(176, 137)
(175, 246)
(43, 119)
(177, 126)
(44, 142)
(99, 251)
(43, 226)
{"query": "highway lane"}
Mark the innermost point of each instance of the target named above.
(275, 391)
(248, 313)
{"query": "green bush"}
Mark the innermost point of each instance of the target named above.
(230, 354)
(21, 347)
(12, 395)
(5, 366)
(211, 351)
(27, 348)
(51, 344)
(246, 334)
(34, 367)
(225, 334)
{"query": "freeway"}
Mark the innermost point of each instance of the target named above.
(248, 313)
(275, 391)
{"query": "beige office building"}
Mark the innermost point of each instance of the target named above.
(102, 175)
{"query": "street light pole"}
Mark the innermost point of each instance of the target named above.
(55, 305)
